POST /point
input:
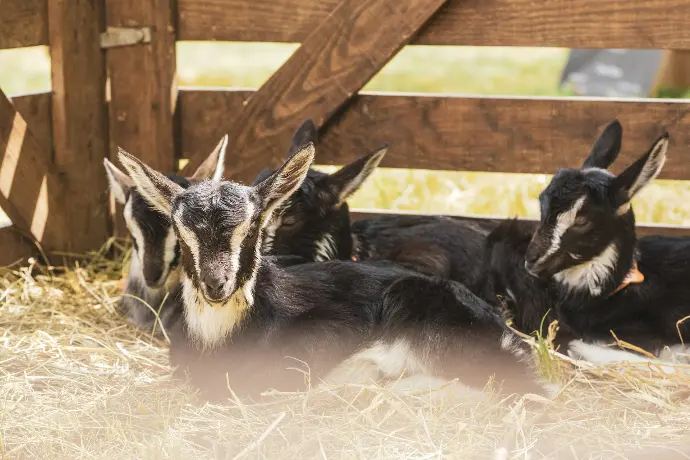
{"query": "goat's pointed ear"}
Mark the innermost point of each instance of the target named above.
(348, 179)
(157, 190)
(606, 148)
(214, 165)
(306, 132)
(120, 183)
(278, 187)
(641, 173)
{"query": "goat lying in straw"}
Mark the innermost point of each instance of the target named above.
(243, 315)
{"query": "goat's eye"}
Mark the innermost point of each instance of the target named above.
(581, 221)
(289, 221)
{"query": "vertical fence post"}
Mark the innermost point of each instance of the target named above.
(80, 117)
(142, 82)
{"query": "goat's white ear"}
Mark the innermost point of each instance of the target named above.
(348, 179)
(306, 132)
(157, 190)
(606, 148)
(642, 172)
(214, 165)
(278, 187)
(120, 183)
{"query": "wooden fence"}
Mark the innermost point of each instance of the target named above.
(52, 183)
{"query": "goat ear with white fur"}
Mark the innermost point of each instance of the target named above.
(214, 165)
(606, 148)
(120, 183)
(278, 187)
(157, 190)
(348, 179)
(642, 172)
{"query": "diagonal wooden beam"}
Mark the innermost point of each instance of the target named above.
(31, 193)
(339, 57)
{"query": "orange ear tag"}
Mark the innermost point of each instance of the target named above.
(634, 276)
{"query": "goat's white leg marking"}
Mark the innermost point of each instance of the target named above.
(325, 248)
(600, 355)
(381, 359)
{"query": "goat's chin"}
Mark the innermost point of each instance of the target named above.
(219, 302)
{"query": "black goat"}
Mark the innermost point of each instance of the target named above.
(590, 267)
(314, 223)
(154, 279)
(243, 315)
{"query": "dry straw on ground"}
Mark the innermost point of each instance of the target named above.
(77, 382)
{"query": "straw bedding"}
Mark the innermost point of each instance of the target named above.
(77, 382)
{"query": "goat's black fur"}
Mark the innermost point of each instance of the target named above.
(320, 313)
(314, 223)
(578, 280)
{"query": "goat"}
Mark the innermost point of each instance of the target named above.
(154, 279)
(243, 314)
(314, 223)
(602, 279)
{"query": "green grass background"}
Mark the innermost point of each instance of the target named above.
(429, 69)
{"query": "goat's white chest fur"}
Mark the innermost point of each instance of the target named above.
(590, 275)
(209, 325)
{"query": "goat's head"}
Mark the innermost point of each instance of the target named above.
(586, 216)
(220, 224)
(156, 249)
(314, 222)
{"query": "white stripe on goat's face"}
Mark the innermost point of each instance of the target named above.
(135, 231)
(564, 221)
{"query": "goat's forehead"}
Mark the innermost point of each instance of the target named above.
(572, 187)
(217, 204)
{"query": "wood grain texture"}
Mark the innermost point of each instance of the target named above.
(340, 56)
(142, 78)
(37, 111)
(654, 24)
(15, 247)
(489, 222)
(520, 135)
(80, 125)
(31, 193)
(23, 23)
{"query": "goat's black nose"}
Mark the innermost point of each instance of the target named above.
(214, 282)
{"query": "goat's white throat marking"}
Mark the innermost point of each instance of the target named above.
(592, 274)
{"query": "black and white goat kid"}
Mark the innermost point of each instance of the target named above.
(607, 280)
(243, 315)
(154, 279)
(314, 223)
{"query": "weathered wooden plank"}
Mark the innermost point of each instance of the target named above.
(491, 221)
(142, 79)
(36, 109)
(31, 194)
(344, 51)
(653, 24)
(23, 23)
(495, 134)
(15, 247)
(80, 116)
